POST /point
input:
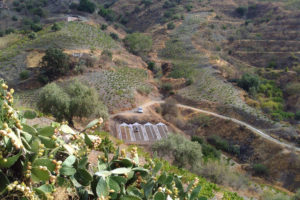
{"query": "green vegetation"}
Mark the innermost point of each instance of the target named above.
(185, 153)
(75, 100)
(170, 25)
(86, 6)
(208, 151)
(55, 27)
(260, 169)
(107, 14)
(45, 162)
(55, 63)
(24, 74)
(224, 145)
(72, 34)
(138, 43)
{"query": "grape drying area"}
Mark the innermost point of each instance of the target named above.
(141, 133)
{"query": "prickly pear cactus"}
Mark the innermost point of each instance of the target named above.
(35, 161)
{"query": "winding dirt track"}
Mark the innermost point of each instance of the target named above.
(255, 130)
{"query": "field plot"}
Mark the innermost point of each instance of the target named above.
(141, 134)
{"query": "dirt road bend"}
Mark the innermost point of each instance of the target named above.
(250, 127)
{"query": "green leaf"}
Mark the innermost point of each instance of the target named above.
(119, 179)
(161, 180)
(143, 171)
(70, 160)
(47, 131)
(47, 142)
(195, 193)
(92, 123)
(10, 160)
(159, 196)
(27, 136)
(44, 162)
(148, 189)
(102, 188)
(29, 114)
(38, 175)
(130, 197)
(25, 143)
(157, 168)
(103, 173)
(43, 190)
(4, 182)
(29, 129)
(35, 145)
(87, 140)
(124, 162)
(82, 193)
(113, 185)
(69, 149)
(83, 177)
(83, 162)
(121, 170)
(66, 129)
(67, 171)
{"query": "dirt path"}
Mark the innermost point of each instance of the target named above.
(250, 127)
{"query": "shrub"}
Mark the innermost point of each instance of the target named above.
(14, 18)
(24, 74)
(55, 63)
(260, 169)
(76, 100)
(55, 27)
(166, 87)
(107, 14)
(32, 35)
(138, 43)
(184, 152)
(36, 27)
(86, 6)
(297, 115)
(114, 36)
(108, 54)
(53, 100)
(200, 120)
(249, 81)
(170, 25)
(103, 27)
(241, 11)
(198, 139)
(9, 31)
(170, 108)
(209, 152)
(297, 195)
(222, 144)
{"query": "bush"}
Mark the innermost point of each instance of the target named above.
(103, 27)
(55, 63)
(24, 74)
(170, 108)
(184, 152)
(260, 169)
(297, 115)
(114, 36)
(76, 100)
(198, 139)
(107, 14)
(36, 27)
(210, 152)
(32, 35)
(166, 87)
(138, 43)
(86, 6)
(222, 144)
(170, 25)
(249, 81)
(241, 11)
(55, 27)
